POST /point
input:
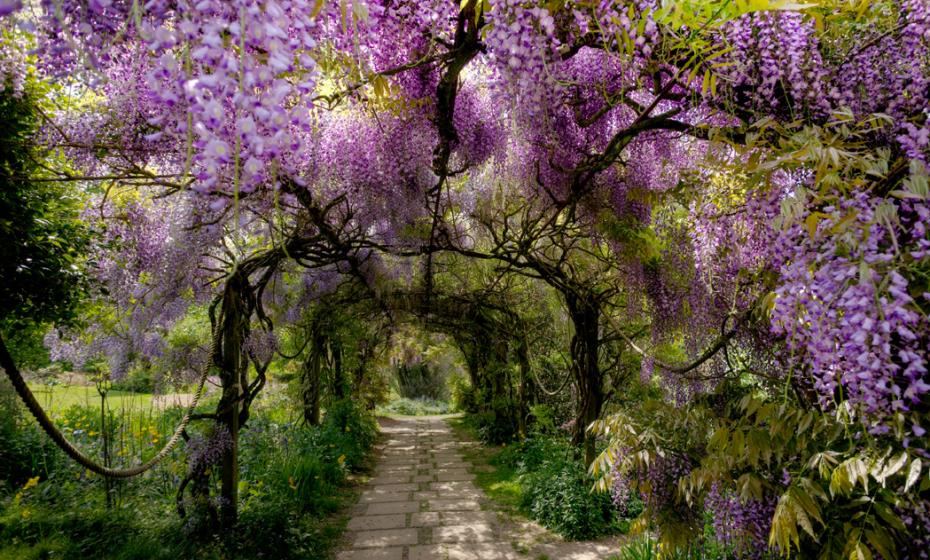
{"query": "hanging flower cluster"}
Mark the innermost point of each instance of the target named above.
(846, 303)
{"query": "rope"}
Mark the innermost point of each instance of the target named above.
(558, 391)
(6, 362)
(539, 383)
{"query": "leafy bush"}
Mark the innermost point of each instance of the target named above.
(530, 454)
(347, 427)
(24, 340)
(416, 407)
(543, 419)
(559, 496)
(139, 379)
(497, 424)
(464, 396)
(557, 491)
(308, 481)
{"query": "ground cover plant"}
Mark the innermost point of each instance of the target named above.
(690, 237)
(294, 479)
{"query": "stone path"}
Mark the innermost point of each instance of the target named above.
(422, 504)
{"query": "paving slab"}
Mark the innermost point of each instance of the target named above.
(373, 496)
(379, 538)
(426, 552)
(476, 532)
(453, 505)
(386, 508)
(425, 519)
(371, 522)
(393, 553)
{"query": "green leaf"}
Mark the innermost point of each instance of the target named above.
(894, 466)
(861, 552)
(812, 221)
(882, 542)
(839, 481)
(913, 474)
(807, 503)
(888, 516)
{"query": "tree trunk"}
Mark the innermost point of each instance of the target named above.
(310, 383)
(523, 360)
(339, 381)
(585, 313)
(230, 363)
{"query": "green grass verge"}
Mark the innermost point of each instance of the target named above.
(499, 482)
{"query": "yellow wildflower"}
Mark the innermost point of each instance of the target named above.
(31, 483)
(291, 483)
(341, 460)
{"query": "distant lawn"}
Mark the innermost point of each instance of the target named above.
(58, 398)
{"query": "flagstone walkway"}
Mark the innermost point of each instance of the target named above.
(422, 504)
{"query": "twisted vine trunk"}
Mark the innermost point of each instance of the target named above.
(340, 384)
(523, 360)
(231, 364)
(585, 313)
(311, 374)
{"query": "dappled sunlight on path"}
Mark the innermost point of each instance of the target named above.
(422, 504)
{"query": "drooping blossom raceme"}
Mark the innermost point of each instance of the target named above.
(521, 45)
(149, 259)
(206, 450)
(657, 483)
(776, 63)
(845, 304)
(778, 66)
(917, 521)
(741, 524)
(12, 66)
(232, 81)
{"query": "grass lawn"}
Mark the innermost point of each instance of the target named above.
(58, 398)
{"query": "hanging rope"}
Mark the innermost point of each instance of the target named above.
(535, 375)
(6, 362)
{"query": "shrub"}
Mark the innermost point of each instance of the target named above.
(345, 417)
(139, 379)
(497, 425)
(290, 478)
(556, 489)
(416, 407)
(530, 454)
(559, 495)
(308, 481)
(464, 396)
(543, 419)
